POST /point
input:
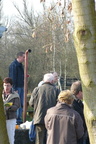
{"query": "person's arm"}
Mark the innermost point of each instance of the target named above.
(79, 127)
(15, 105)
(13, 75)
(46, 120)
(33, 98)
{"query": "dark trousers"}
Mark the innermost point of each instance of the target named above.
(20, 110)
(40, 134)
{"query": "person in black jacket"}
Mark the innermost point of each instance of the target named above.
(77, 105)
(16, 72)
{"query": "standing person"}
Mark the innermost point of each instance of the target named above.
(44, 98)
(55, 74)
(11, 104)
(76, 89)
(16, 72)
(56, 81)
(64, 125)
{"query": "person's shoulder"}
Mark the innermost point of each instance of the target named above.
(51, 109)
(13, 62)
(36, 89)
(75, 112)
(75, 102)
(15, 94)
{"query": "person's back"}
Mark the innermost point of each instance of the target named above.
(64, 125)
(41, 99)
(46, 98)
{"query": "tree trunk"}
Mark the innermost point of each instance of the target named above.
(85, 43)
(3, 131)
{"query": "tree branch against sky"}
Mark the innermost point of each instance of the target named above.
(9, 9)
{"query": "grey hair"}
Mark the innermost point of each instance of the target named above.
(48, 77)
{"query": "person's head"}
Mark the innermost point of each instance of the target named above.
(55, 74)
(66, 96)
(48, 78)
(20, 57)
(76, 89)
(7, 84)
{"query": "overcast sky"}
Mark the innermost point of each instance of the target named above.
(9, 9)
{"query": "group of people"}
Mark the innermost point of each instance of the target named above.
(58, 117)
(58, 114)
(13, 95)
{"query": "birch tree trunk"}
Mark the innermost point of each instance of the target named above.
(85, 43)
(3, 131)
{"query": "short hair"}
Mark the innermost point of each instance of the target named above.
(54, 72)
(76, 87)
(48, 77)
(66, 96)
(20, 54)
(8, 80)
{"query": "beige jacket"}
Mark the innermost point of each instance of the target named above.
(64, 125)
(10, 112)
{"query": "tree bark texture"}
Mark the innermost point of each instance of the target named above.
(85, 43)
(3, 132)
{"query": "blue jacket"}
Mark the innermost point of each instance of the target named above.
(16, 72)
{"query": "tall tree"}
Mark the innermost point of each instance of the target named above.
(85, 44)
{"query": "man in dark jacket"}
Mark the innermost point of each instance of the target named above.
(76, 89)
(41, 99)
(16, 72)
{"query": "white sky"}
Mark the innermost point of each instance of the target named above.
(9, 10)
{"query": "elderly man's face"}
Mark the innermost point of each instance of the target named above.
(55, 77)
